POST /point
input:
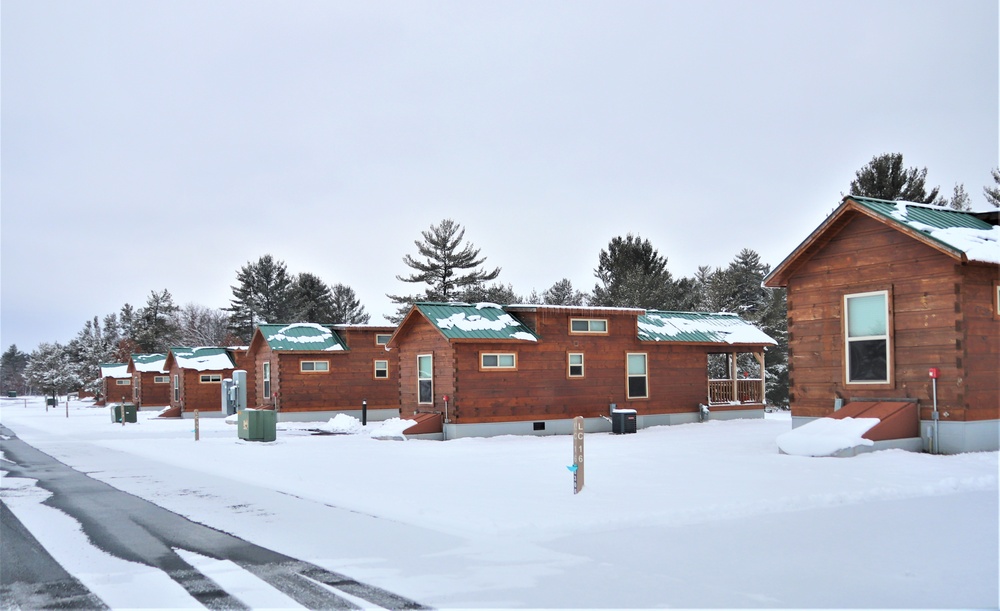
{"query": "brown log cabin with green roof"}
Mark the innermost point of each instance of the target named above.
(196, 376)
(312, 372)
(150, 381)
(926, 278)
(485, 370)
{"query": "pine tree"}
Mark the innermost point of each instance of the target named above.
(563, 293)
(50, 371)
(443, 259)
(346, 308)
(993, 193)
(633, 274)
(959, 199)
(496, 293)
(12, 365)
(262, 295)
(156, 326)
(884, 177)
(92, 346)
(312, 300)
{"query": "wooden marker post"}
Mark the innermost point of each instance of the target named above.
(577, 454)
(196, 431)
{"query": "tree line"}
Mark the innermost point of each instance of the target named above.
(446, 267)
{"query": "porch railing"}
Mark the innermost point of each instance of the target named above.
(731, 392)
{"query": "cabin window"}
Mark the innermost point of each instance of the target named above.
(867, 336)
(425, 379)
(266, 377)
(381, 370)
(123, 382)
(177, 387)
(314, 366)
(574, 361)
(211, 378)
(161, 379)
(491, 360)
(996, 299)
(636, 367)
(382, 339)
(588, 325)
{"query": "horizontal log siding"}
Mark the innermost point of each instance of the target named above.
(149, 392)
(263, 354)
(419, 337)
(195, 395)
(349, 381)
(925, 286)
(980, 350)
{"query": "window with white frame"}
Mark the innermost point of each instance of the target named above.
(868, 350)
(637, 386)
(381, 370)
(425, 379)
(266, 377)
(574, 361)
(497, 360)
(211, 378)
(161, 379)
(123, 382)
(382, 339)
(588, 325)
(177, 387)
(314, 366)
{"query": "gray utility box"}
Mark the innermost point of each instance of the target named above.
(623, 421)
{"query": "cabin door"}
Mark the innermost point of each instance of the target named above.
(425, 379)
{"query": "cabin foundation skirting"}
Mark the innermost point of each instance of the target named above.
(374, 415)
(953, 437)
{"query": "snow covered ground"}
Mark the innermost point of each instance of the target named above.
(699, 515)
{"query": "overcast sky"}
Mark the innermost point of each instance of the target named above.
(165, 144)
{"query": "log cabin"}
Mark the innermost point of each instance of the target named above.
(311, 372)
(483, 369)
(196, 376)
(150, 381)
(882, 297)
(116, 383)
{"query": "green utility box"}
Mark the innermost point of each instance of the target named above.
(257, 424)
(12, 393)
(130, 412)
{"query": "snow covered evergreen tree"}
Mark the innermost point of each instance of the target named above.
(440, 266)
(156, 326)
(92, 346)
(993, 193)
(262, 295)
(50, 370)
(632, 273)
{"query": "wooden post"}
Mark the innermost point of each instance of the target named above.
(196, 431)
(67, 406)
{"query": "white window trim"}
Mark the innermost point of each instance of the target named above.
(302, 368)
(379, 336)
(211, 378)
(384, 368)
(266, 380)
(629, 376)
(122, 382)
(177, 387)
(431, 379)
(887, 338)
(161, 379)
(570, 365)
(589, 322)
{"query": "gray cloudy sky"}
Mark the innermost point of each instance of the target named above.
(164, 144)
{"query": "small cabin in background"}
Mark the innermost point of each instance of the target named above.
(308, 371)
(150, 381)
(196, 376)
(530, 369)
(116, 383)
(881, 294)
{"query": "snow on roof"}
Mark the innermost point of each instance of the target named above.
(480, 321)
(203, 358)
(958, 229)
(115, 370)
(699, 327)
(149, 362)
(301, 336)
(826, 436)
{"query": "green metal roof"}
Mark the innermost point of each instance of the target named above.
(207, 358)
(475, 321)
(699, 327)
(149, 362)
(955, 229)
(302, 336)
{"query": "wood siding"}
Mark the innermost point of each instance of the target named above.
(148, 392)
(933, 302)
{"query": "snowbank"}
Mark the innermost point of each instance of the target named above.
(826, 436)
